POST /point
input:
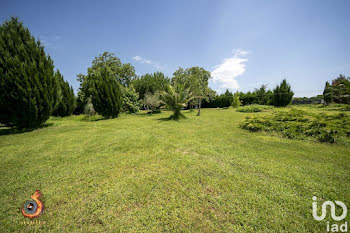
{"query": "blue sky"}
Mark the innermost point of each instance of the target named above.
(243, 43)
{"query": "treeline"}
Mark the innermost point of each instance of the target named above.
(308, 100)
(31, 89)
(337, 91)
(111, 87)
(280, 96)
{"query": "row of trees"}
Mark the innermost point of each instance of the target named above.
(30, 89)
(280, 96)
(112, 87)
(106, 87)
(308, 100)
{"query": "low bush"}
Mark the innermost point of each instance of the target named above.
(347, 108)
(253, 108)
(299, 124)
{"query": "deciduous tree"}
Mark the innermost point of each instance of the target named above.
(150, 83)
(152, 101)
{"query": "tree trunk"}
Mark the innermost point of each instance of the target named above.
(199, 106)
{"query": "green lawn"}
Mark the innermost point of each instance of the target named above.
(142, 173)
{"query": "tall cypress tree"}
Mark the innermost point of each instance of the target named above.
(27, 85)
(105, 92)
(66, 98)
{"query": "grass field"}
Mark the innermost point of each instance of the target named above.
(142, 173)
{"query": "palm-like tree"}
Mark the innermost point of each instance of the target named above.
(176, 98)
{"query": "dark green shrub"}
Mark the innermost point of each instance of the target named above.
(346, 108)
(252, 126)
(299, 124)
(27, 84)
(253, 108)
(80, 102)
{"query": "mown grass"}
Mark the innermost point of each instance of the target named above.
(140, 173)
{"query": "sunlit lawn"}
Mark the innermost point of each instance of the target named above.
(143, 173)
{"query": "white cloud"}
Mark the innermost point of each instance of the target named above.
(137, 58)
(142, 60)
(224, 75)
(146, 61)
(50, 41)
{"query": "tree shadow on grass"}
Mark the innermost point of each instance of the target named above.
(8, 131)
(172, 118)
(94, 118)
(164, 119)
(149, 113)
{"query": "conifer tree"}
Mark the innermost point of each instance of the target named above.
(328, 93)
(122, 73)
(66, 98)
(282, 94)
(105, 92)
(27, 84)
(236, 102)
